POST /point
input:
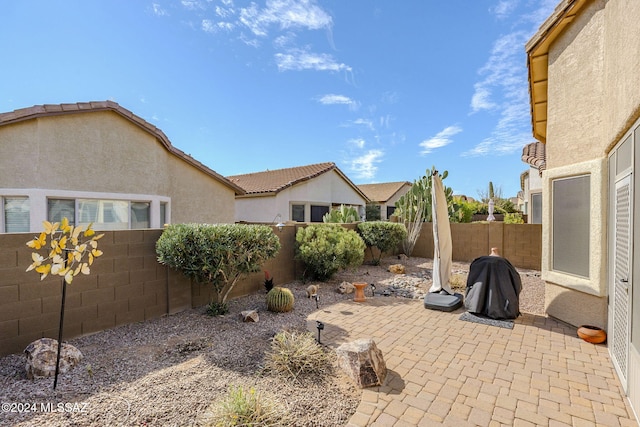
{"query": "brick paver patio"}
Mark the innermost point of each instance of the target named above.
(445, 371)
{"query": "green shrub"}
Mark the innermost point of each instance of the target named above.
(280, 300)
(372, 212)
(218, 254)
(217, 308)
(386, 236)
(343, 215)
(513, 218)
(327, 248)
(294, 353)
(247, 408)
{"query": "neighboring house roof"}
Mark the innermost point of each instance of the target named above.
(383, 191)
(48, 110)
(538, 60)
(534, 154)
(271, 182)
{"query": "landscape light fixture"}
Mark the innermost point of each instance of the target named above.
(320, 327)
(317, 297)
(373, 290)
(279, 223)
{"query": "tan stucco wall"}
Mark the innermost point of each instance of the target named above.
(593, 98)
(575, 109)
(108, 153)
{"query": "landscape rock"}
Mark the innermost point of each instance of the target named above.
(397, 268)
(363, 362)
(42, 355)
(250, 316)
(346, 288)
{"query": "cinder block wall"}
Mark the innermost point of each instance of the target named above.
(128, 285)
(521, 244)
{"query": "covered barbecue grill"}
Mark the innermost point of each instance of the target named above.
(493, 288)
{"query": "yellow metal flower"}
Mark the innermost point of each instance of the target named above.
(64, 261)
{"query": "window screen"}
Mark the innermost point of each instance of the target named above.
(297, 213)
(571, 225)
(16, 214)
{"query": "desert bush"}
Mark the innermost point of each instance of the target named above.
(342, 215)
(513, 218)
(217, 308)
(218, 254)
(386, 236)
(293, 353)
(247, 408)
(372, 212)
(327, 248)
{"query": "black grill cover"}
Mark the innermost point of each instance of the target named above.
(493, 288)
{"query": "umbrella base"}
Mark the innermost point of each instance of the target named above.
(436, 301)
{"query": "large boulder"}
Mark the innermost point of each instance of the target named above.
(42, 355)
(363, 362)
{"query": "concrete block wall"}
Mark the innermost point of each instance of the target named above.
(128, 285)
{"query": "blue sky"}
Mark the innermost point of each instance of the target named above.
(385, 89)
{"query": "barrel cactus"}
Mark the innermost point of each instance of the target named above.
(280, 300)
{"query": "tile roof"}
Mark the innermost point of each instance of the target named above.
(81, 107)
(274, 181)
(383, 191)
(534, 154)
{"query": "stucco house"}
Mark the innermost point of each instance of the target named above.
(299, 194)
(385, 195)
(98, 162)
(585, 102)
(531, 182)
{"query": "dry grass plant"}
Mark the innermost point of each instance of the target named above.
(242, 407)
(293, 353)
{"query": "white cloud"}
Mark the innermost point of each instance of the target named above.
(285, 14)
(298, 60)
(208, 26)
(159, 11)
(192, 4)
(335, 99)
(504, 87)
(224, 12)
(504, 8)
(441, 139)
(364, 166)
(364, 122)
(358, 142)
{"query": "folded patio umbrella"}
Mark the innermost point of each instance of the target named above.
(440, 295)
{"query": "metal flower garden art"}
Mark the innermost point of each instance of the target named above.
(63, 250)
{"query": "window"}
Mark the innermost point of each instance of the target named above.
(163, 214)
(390, 211)
(571, 226)
(61, 208)
(140, 215)
(104, 214)
(297, 213)
(16, 214)
(317, 212)
(536, 208)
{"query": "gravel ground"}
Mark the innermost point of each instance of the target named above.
(168, 371)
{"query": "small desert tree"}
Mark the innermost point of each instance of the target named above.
(414, 207)
(386, 236)
(219, 254)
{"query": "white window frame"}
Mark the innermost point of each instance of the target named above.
(38, 200)
(596, 283)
